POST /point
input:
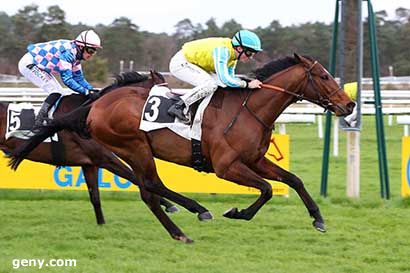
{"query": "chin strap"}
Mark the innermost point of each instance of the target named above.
(80, 52)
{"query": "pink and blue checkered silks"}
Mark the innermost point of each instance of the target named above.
(61, 57)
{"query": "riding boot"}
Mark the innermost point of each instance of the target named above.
(177, 110)
(42, 115)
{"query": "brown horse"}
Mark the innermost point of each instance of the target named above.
(82, 152)
(236, 130)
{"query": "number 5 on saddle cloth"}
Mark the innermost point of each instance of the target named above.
(20, 121)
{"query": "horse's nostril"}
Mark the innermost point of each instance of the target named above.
(350, 107)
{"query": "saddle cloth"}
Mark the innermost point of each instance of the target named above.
(20, 120)
(155, 114)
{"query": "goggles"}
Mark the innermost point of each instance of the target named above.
(249, 52)
(90, 50)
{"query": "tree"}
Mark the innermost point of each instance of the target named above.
(7, 44)
(229, 28)
(96, 70)
(55, 26)
(122, 41)
(27, 23)
(212, 29)
(184, 29)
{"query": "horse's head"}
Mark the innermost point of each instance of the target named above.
(319, 87)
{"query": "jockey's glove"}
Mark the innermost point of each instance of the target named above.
(93, 95)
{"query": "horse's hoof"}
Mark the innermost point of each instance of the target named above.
(205, 216)
(185, 239)
(231, 213)
(172, 209)
(320, 226)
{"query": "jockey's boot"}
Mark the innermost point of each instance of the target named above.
(177, 110)
(42, 116)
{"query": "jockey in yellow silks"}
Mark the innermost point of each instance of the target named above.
(199, 61)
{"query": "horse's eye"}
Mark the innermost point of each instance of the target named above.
(324, 77)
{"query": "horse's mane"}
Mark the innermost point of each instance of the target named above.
(125, 79)
(275, 66)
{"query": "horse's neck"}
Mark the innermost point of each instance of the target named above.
(269, 104)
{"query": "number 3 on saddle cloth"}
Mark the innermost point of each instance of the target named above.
(20, 120)
(155, 114)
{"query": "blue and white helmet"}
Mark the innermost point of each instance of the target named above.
(247, 39)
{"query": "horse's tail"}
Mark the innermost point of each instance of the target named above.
(72, 121)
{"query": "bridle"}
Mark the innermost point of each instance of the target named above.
(322, 100)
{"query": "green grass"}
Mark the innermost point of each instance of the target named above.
(364, 235)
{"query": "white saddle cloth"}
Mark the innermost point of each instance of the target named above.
(155, 116)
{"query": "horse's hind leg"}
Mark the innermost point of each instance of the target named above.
(114, 165)
(105, 159)
(269, 170)
(169, 207)
(138, 155)
(91, 178)
(153, 203)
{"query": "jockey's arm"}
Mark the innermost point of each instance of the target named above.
(67, 74)
(79, 77)
(226, 74)
(68, 79)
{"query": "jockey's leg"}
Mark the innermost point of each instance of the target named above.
(204, 84)
(45, 81)
(181, 108)
(45, 108)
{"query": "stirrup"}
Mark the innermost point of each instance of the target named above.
(174, 111)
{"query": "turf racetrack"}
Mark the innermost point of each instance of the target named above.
(365, 235)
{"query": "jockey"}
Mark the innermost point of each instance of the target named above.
(198, 61)
(59, 57)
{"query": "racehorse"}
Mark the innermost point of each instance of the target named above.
(78, 151)
(236, 131)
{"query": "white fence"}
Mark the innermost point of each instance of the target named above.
(395, 102)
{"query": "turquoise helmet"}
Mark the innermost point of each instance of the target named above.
(247, 39)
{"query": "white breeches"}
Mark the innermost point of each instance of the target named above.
(204, 82)
(38, 77)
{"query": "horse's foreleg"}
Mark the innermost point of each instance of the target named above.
(153, 203)
(91, 178)
(243, 175)
(265, 168)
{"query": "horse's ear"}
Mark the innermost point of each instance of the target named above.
(301, 59)
(152, 73)
(157, 77)
(297, 57)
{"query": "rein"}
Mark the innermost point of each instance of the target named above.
(322, 101)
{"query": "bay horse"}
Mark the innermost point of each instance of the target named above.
(77, 151)
(236, 131)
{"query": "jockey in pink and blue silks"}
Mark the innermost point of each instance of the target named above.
(59, 57)
(209, 63)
